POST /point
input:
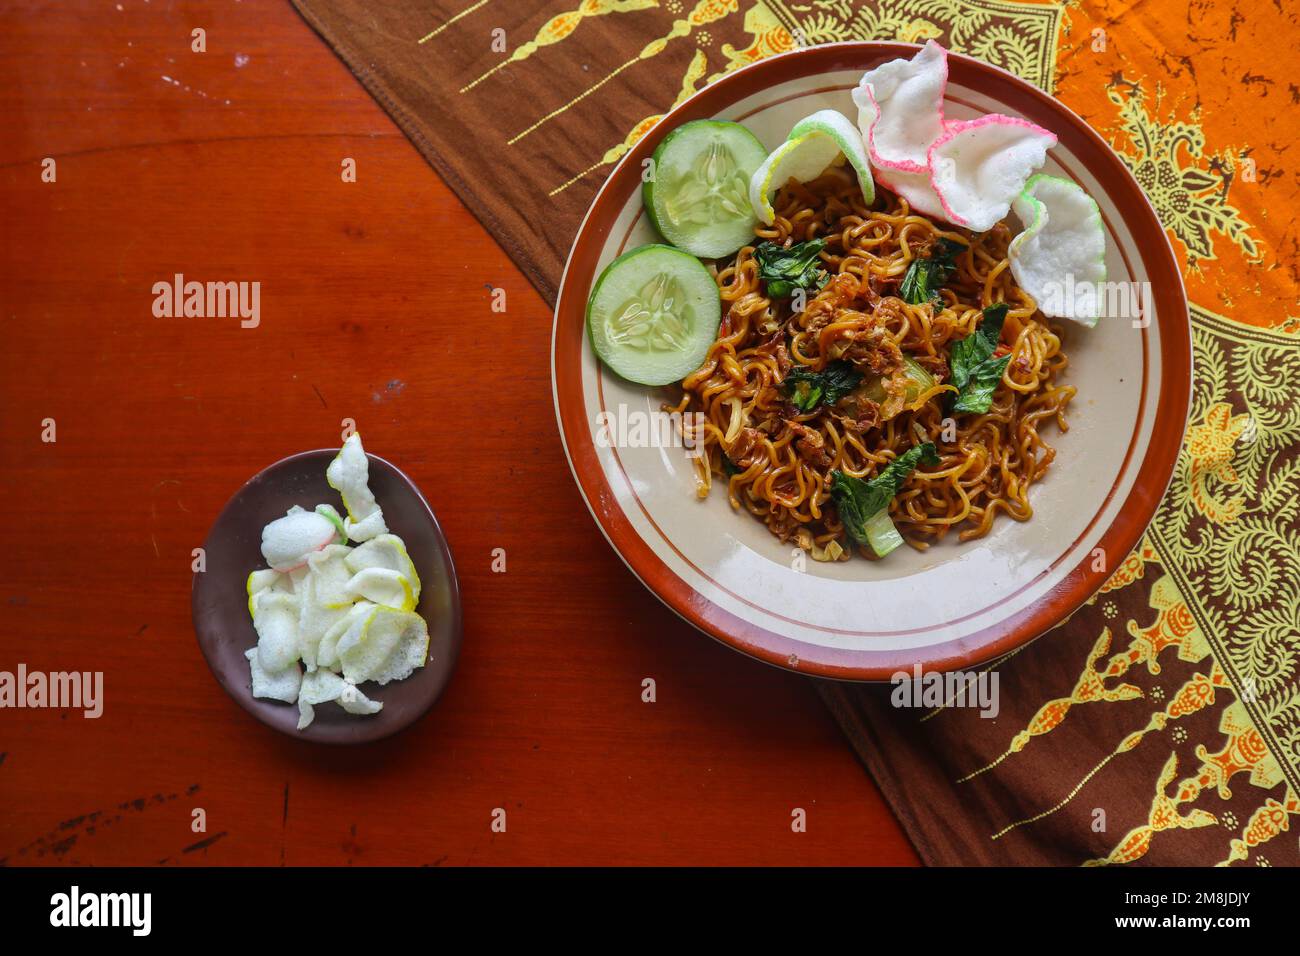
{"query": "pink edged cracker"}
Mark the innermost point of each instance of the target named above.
(978, 167)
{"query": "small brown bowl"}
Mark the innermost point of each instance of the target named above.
(233, 549)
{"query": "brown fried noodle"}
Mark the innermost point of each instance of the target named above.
(779, 460)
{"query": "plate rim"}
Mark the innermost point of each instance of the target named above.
(1155, 468)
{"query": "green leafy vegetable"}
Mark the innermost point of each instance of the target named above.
(808, 389)
(978, 394)
(864, 505)
(975, 372)
(784, 270)
(925, 277)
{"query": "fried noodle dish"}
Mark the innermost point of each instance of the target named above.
(873, 365)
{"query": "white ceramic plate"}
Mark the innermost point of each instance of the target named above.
(956, 604)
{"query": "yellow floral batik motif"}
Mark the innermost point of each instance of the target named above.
(1241, 749)
(767, 37)
(1209, 449)
(1268, 822)
(1089, 689)
(1228, 531)
(1019, 37)
(1131, 569)
(1173, 627)
(1197, 693)
(1188, 190)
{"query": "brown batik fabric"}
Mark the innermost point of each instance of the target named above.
(1161, 724)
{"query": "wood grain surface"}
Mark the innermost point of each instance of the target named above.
(375, 305)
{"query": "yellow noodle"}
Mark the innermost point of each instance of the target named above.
(776, 461)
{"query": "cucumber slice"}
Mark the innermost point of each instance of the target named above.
(699, 197)
(653, 314)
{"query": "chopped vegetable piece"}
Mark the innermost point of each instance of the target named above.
(882, 536)
(975, 372)
(926, 276)
(864, 505)
(920, 381)
(784, 270)
(808, 389)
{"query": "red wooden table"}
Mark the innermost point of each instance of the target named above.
(375, 305)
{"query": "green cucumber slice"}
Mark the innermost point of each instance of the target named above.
(653, 314)
(699, 196)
